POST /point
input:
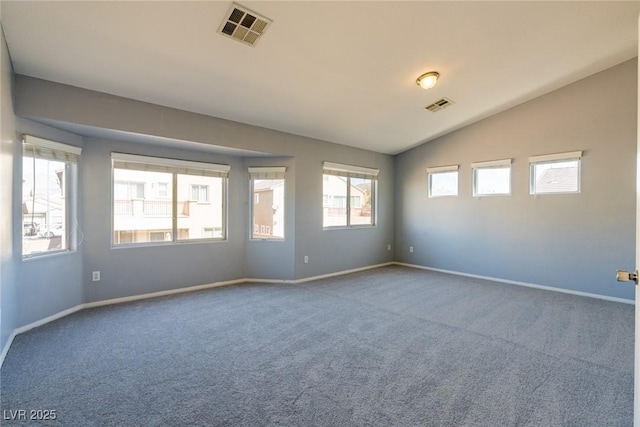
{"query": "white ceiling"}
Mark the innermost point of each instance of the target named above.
(338, 71)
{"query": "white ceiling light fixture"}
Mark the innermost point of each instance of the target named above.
(428, 80)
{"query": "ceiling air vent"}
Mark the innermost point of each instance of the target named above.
(243, 25)
(440, 104)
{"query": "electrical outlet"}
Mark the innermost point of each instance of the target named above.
(388, 247)
(96, 276)
(410, 248)
(306, 259)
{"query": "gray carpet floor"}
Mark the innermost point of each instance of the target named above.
(393, 346)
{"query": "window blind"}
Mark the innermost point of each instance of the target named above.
(160, 164)
(491, 163)
(267, 172)
(349, 171)
(50, 150)
(572, 155)
(452, 168)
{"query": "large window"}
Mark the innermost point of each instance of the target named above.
(492, 178)
(267, 209)
(442, 181)
(348, 195)
(555, 173)
(157, 200)
(48, 188)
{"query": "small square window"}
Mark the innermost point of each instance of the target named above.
(492, 178)
(555, 177)
(442, 182)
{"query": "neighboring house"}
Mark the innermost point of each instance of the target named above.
(557, 180)
(142, 207)
(334, 200)
(268, 214)
(42, 212)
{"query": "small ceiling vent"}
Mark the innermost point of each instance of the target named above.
(440, 104)
(243, 25)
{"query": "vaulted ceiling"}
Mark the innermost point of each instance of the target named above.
(338, 71)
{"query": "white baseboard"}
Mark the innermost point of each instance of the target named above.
(72, 310)
(164, 293)
(32, 325)
(528, 285)
(5, 350)
(341, 273)
(161, 293)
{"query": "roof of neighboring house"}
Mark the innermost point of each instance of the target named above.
(40, 206)
(268, 184)
(556, 180)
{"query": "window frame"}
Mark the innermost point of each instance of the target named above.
(431, 171)
(266, 173)
(39, 148)
(176, 168)
(492, 164)
(349, 172)
(546, 159)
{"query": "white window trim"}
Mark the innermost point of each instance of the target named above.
(264, 172)
(554, 158)
(498, 164)
(175, 167)
(545, 158)
(350, 171)
(437, 170)
(36, 147)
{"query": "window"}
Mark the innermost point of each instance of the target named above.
(442, 181)
(48, 189)
(162, 190)
(200, 193)
(492, 178)
(174, 212)
(555, 173)
(348, 195)
(129, 190)
(267, 210)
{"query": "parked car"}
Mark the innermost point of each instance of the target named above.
(55, 231)
(30, 228)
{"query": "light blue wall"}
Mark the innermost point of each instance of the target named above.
(133, 271)
(8, 260)
(573, 242)
(52, 283)
(127, 271)
(568, 241)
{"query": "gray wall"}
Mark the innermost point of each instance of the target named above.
(127, 271)
(567, 241)
(8, 261)
(52, 283)
(132, 271)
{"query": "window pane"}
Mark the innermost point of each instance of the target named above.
(200, 207)
(268, 209)
(44, 210)
(443, 184)
(492, 181)
(555, 177)
(334, 196)
(200, 193)
(360, 212)
(140, 215)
